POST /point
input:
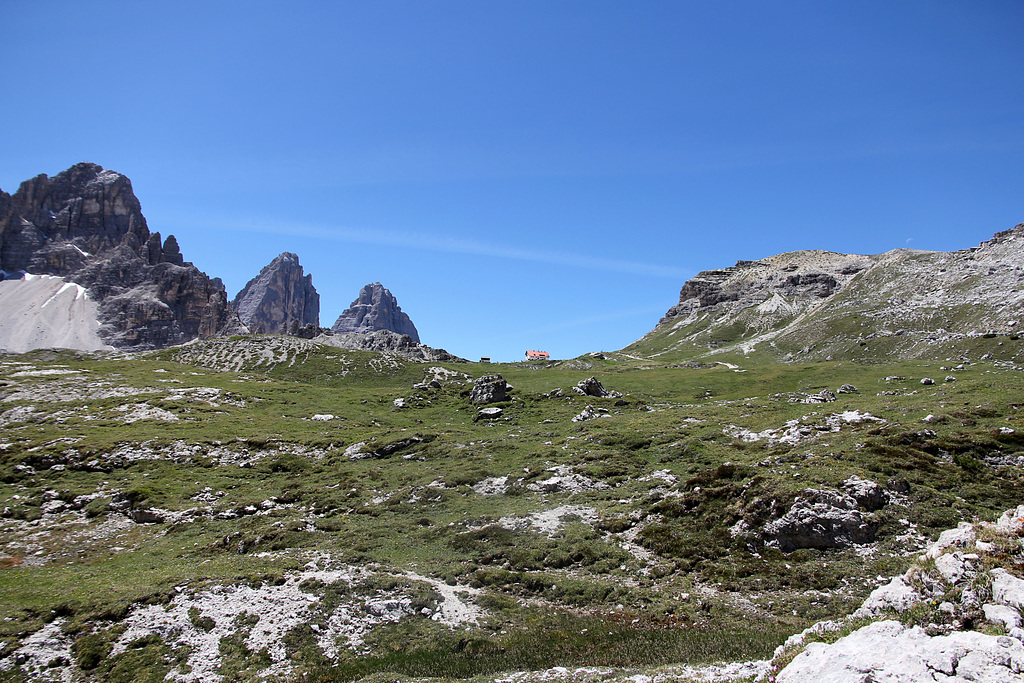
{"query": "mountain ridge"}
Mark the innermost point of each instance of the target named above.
(814, 304)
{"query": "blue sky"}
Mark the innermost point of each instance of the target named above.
(527, 175)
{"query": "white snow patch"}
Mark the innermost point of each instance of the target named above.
(79, 293)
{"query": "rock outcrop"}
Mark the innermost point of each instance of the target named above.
(375, 309)
(280, 295)
(86, 226)
(946, 596)
(778, 287)
(592, 387)
(868, 494)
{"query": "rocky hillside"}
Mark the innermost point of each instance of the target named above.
(389, 342)
(375, 309)
(821, 305)
(86, 226)
(278, 297)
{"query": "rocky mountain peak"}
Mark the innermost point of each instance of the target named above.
(85, 225)
(87, 206)
(375, 309)
(278, 297)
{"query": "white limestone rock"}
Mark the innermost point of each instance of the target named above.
(1008, 617)
(1011, 521)
(952, 566)
(888, 651)
(1007, 589)
(964, 536)
(820, 519)
(356, 452)
(897, 595)
(868, 494)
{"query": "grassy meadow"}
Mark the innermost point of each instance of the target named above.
(629, 540)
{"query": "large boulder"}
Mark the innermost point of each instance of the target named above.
(820, 519)
(489, 389)
(868, 494)
(890, 651)
(592, 386)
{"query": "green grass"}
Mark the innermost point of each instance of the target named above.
(544, 640)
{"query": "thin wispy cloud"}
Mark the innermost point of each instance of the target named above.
(441, 244)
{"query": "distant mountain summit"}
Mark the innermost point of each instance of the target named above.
(85, 225)
(280, 296)
(820, 305)
(375, 309)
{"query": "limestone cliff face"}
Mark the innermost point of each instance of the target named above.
(375, 309)
(86, 225)
(278, 297)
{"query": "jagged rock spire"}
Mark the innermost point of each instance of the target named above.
(375, 309)
(279, 296)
